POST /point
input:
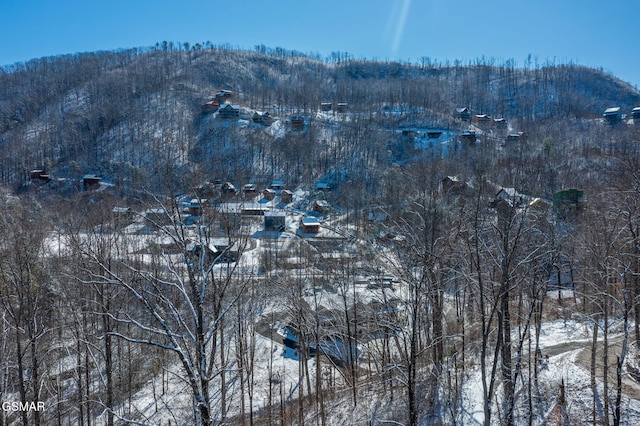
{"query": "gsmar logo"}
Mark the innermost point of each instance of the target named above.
(23, 406)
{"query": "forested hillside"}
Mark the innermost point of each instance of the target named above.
(134, 113)
(202, 235)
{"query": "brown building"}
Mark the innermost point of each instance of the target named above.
(39, 177)
(297, 123)
(462, 114)
(224, 96)
(286, 196)
(90, 182)
(613, 115)
(269, 194)
(211, 106)
(309, 225)
(229, 112)
(263, 118)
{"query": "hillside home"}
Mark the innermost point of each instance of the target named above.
(286, 196)
(500, 123)
(197, 252)
(468, 136)
(514, 137)
(613, 115)
(228, 189)
(250, 189)
(39, 177)
(196, 206)
(269, 194)
(481, 119)
(342, 107)
(297, 123)
(635, 114)
(321, 206)
(229, 112)
(253, 209)
(452, 185)
(224, 95)
(511, 196)
(309, 225)
(211, 106)
(462, 114)
(263, 118)
(325, 106)
(90, 182)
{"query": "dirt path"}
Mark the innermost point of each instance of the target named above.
(630, 387)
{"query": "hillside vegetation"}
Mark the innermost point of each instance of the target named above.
(192, 235)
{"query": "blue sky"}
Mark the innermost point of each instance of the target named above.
(588, 32)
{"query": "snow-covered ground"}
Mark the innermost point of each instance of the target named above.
(565, 344)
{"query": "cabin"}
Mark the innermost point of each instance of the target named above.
(274, 221)
(452, 185)
(250, 189)
(511, 196)
(613, 115)
(211, 106)
(223, 96)
(297, 123)
(462, 114)
(229, 112)
(309, 225)
(286, 196)
(39, 177)
(201, 252)
(269, 194)
(195, 207)
(635, 114)
(321, 206)
(228, 189)
(253, 209)
(468, 136)
(342, 107)
(90, 182)
(500, 123)
(514, 137)
(263, 118)
(481, 119)
(325, 106)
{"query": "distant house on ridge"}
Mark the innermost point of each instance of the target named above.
(613, 115)
(229, 112)
(463, 114)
